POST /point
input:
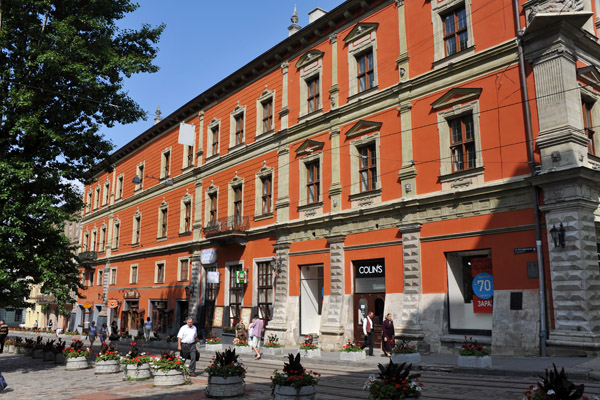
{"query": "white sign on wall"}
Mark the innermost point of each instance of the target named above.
(208, 256)
(212, 277)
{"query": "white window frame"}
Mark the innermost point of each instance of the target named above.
(160, 235)
(238, 111)
(119, 188)
(266, 96)
(106, 194)
(86, 240)
(593, 98)
(234, 184)
(265, 172)
(303, 174)
(166, 157)
(156, 264)
(140, 171)
(310, 66)
(439, 8)
(100, 277)
(214, 124)
(113, 277)
(97, 197)
(94, 240)
(137, 274)
(355, 145)
(187, 199)
(116, 238)
(189, 263)
(357, 47)
(102, 243)
(136, 225)
(88, 204)
(212, 189)
(186, 154)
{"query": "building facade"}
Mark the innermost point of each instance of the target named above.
(433, 160)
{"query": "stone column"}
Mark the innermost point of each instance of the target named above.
(334, 91)
(198, 212)
(283, 114)
(195, 285)
(281, 307)
(335, 190)
(408, 172)
(410, 321)
(282, 205)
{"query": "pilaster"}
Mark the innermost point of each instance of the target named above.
(279, 322)
(194, 303)
(335, 89)
(408, 172)
(410, 325)
(335, 190)
(402, 59)
(283, 114)
(282, 205)
(197, 225)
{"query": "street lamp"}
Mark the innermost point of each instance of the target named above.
(137, 180)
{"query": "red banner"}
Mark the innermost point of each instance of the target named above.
(483, 268)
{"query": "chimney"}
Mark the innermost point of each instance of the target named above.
(294, 27)
(315, 14)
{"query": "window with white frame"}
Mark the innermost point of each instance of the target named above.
(211, 205)
(106, 195)
(264, 112)
(97, 198)
(183, 272)
(139, 172)
(365, 165)
(137, 228)
(116, 234)
(213, 134)
(133, 274)
(100, 277)
(159, 272)
(263, 207)
(362, 58)
(311, 67)
(235, 202)
(237, 125)
(185, 222)
(452, 28)
(102, 245)
(113, 276)
(119, 191)
(88, 203)
(94, 240)
(188, 156)
(165, 163)
(86, 241)
(163, 214)
(591, 115)
(311, 185)
(91, 278)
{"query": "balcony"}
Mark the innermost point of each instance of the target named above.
(88, 256)
(227, 230)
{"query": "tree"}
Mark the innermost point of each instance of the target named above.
(62, 69)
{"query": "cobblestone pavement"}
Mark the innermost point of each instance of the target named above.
(30, 378)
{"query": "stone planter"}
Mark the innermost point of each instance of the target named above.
(28, 351)
(352, 355)
(107, 367)
(214, 347)
(135, 372)
(38, 353)
(408, 358)
(272, 351)
(48, 356)
(172, 377)
(19, 350)
(243, 349)
(10, 348)
(59, 358)
(310, 353)
(474, 361)
(75, 363)
(292, 393)
(232, 386)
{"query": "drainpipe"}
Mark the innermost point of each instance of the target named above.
(534, 192)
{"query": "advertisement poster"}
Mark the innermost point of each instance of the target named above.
(483, 285)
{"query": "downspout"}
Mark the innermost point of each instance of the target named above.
(534, 192)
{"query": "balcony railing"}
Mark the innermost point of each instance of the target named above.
(228, 225)
(88, 256)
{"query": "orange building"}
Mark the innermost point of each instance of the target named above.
(414, 158)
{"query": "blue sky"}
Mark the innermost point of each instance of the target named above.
(203, 42)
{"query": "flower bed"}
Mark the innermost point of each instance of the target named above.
(394, 381)
(403, 352)
(474, 355)
(272, 342)
(76, 350)
(555, 386)
(294, 376)
(225, 375)
(352, 352)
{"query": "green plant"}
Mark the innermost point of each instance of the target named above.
(59, 347)
(395, 382)
(49, 345)
(272, 341)
(76, 350)
(555, 386)
(404, 348)
(169, 361)
(308, 343)
(211, 338)
(135, 357)
(107, 353)
(294, 374)
(240, 342)
(226, 364)
(351, 348)
(470, 347)
(229, 329)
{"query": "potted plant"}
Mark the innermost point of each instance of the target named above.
(403, 352)
(474, 355)
(294, 382)
(555, 386)
(19, 345)
(28, 347)
(76, 356)
(169, 370)
(10, 345)
(107, 360)
(48, 354)
(352, 352)
(310, 349)
(58, 349)
(136, 364)
(272, 345)
(393, 382)
(38, 348)
(213, 343)
(241, 344)
(225, 375)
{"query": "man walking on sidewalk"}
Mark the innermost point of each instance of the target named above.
(368, 332)
(186, 343)
(256, 327)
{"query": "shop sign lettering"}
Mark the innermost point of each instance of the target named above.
(370, 269)
(483, 285)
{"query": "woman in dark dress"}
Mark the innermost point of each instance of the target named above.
(387, 335)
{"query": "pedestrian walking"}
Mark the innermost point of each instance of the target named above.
(103, 333)
(3, 334)
(35, 325)
(240, 329)
(147, 328)
(50, 325)
(92, 334)
(387, 335)
(256, 327)
(186, 343)
(368, 332)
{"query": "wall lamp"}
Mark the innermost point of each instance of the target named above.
(187, 290)
(558, 235)
(276, 264)
(137, 180)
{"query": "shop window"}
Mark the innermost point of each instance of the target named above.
(265, 290)
(236, 294)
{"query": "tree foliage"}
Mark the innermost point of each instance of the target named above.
(62, 69)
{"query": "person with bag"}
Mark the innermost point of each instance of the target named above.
(103, 333)
(114, 335)
(256, 327)
(186, 344)
(387, 335)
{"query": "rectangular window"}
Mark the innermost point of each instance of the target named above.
(183, 270)
(89, 200)
(187, 221)
(91, 279)
(102, 239)
(267, 120)
(100, 277)
(213, 208)
(239, 129)
(313, 187)
(160, 273)
(18, 315)
(93, 247)
(166, 163)
(113, 276)
(588, 124)
(116, 235)
(237, 205)
(462, 143)
(140, 175)
(215, 140)
(236, 294)
(134, 274)
(190, 156)
(313, 94)
(265, 290)
(266, 194)
(120, 187)
(368, 168)
(163, 222)
(97, 198)
(456, 36)
(137, 223)
(106, 193)
(366, 73)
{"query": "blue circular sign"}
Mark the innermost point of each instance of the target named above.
(483, 285)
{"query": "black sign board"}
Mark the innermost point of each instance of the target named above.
(369, 268)
(532, 270)
(523, 250)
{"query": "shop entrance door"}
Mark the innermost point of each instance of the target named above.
(363, 304)
(311, 298)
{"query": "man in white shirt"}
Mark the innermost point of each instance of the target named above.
(186, 343)
(368, 332)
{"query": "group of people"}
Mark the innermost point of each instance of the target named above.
(387, 334)
(255, 332)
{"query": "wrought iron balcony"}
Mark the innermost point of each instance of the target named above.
(88, 256)
(227, 228)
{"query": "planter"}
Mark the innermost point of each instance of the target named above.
(272, 351)
(107, 367)
(38, 353)
(59, 358)
(137, 372)
(28, 351)
(48, 356)
(243, 349)
(75, 363)
(310, 353)
(409, 358)
(292, 393)
(214, 347)
(352, 355)
(10, 348)
(19, 350)
(474, 361)
(231, 386)
(172, 377)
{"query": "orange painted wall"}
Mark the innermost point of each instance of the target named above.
(294, 272)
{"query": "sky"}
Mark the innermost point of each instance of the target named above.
(204, 41)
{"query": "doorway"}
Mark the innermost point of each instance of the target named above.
(363, 304)
(311, 298)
